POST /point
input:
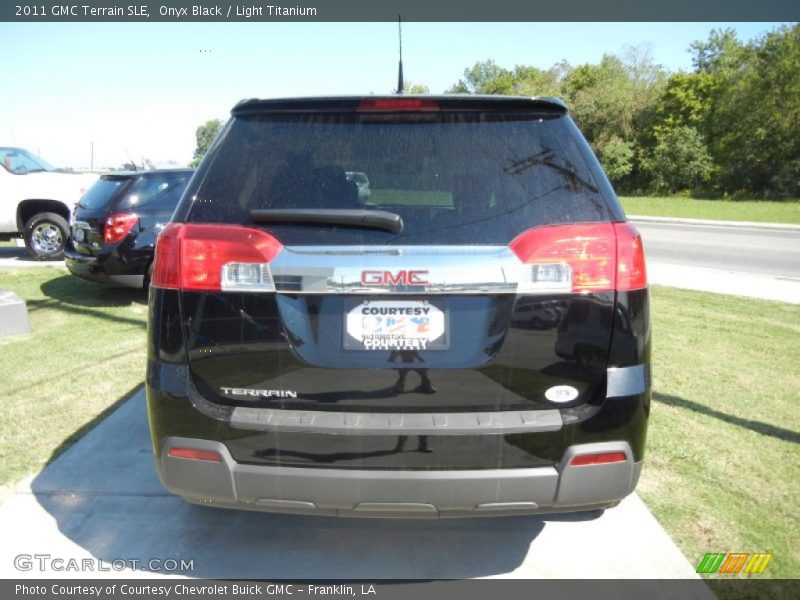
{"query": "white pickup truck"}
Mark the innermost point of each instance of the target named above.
(36, 202)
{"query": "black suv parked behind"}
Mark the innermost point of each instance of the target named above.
(326, 343)
(115, 224)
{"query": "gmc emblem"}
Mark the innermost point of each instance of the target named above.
(394, 278)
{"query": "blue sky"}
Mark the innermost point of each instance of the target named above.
(141, 89)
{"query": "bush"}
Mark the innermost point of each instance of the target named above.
(680, 161)
(616, 158)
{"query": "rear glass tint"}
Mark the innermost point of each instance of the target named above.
(454, 178)
(102, 192)
(156, 192)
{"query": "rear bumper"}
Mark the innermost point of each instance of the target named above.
(386, 493)
(103, 269)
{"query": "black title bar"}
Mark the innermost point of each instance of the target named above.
(177, 11)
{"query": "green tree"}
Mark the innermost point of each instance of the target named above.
(205, 135)
(530, 81)
(617, 158)
(415, 88)
(721, 52)
(680, 161)
(484, 78)
(732, 124)
(687, 101)
(614, 98)
(755, 131)
(488, 78)
(614, 103)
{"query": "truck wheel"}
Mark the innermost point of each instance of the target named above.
(46, 235)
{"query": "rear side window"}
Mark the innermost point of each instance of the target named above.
(161, 192)
(454, 178)
(102, 193)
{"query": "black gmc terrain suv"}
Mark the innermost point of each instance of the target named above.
(399, 306)
(115, 225)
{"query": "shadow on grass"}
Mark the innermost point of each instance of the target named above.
(76, 435)
(75, 296)
(780, 433)
(71, 290)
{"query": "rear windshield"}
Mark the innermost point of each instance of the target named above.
(102, 192)
(157, 192)
(454, 178)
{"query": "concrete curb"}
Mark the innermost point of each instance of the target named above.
(730, 283)
(681, 221)
(18, 258)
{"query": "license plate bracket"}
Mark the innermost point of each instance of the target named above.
(396, 325)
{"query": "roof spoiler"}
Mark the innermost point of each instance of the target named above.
(447, 102)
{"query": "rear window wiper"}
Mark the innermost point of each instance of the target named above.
(366, 219)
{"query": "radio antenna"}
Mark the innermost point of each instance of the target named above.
(133, 164)
(400, 69)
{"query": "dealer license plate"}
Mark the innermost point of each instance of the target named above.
(395, 325)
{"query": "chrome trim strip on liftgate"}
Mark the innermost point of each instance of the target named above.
(410, 270)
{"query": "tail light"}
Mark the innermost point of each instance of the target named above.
(117, 226)
(587, 257)
(631, 270)
(214, 257)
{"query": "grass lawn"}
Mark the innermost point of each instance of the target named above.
(722, 465)
(724, 210)
(86, 351)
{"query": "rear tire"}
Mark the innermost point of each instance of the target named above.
(46, 235)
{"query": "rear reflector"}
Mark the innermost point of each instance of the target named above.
(598, 459)
(117, 226)
(214, 258)
(207, 455)
(397, 104)
(586, 257)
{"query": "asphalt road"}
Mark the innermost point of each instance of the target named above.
(773, 252)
